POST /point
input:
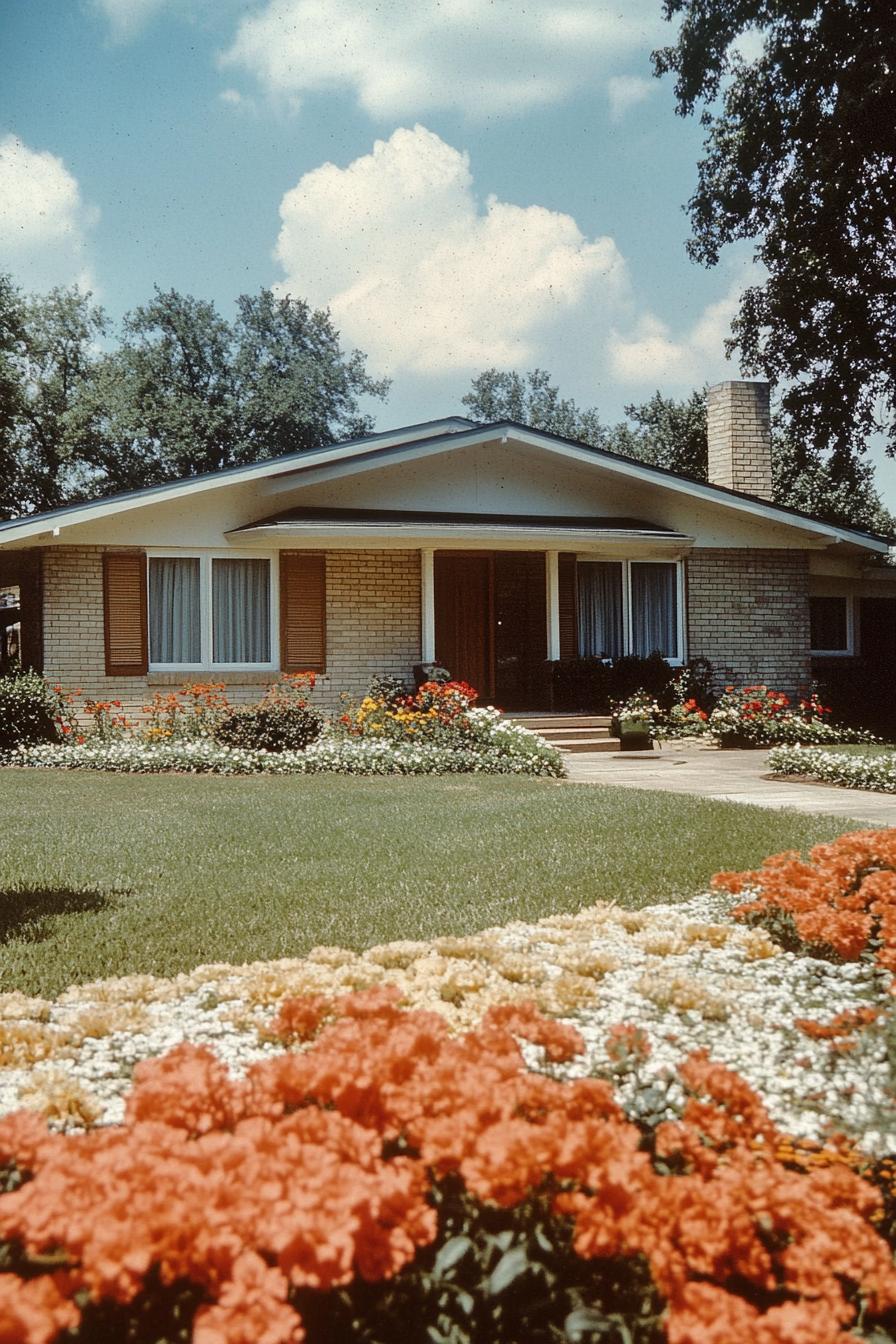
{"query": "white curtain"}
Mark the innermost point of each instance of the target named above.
(654, 610)
(241, 611)
(600, 609)
(174, 621)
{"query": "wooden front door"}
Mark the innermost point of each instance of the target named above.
(463, 601)
(490, 624)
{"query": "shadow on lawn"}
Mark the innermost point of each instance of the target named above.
(27, 912)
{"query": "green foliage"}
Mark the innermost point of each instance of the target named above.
(48, 360)
(270, 726)
(501, 1275)
(182, 390)
(799, 155)
(531, 399)
(667, 433)
(30, 711)
(594, 686)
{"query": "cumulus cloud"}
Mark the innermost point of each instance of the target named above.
(652, 353)
(425, 277)
(474, 56)
(43, 220)
(625, 92)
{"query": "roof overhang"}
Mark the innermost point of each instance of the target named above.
(420, 441)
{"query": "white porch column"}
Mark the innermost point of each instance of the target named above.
(552, 576)
(427, 608)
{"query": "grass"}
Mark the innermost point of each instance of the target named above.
(105, 875)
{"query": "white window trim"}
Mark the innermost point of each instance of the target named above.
(680, 657)
(849, 651)
(205, 558)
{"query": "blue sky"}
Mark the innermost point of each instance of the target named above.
(464, 183)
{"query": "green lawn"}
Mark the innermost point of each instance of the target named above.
(104, 875)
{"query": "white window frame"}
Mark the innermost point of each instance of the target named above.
(849, 651)
(205, 558)
(681, 650)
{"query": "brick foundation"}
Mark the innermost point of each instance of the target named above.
(748, 613)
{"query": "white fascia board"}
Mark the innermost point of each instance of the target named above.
(53, 524)
(410, 534)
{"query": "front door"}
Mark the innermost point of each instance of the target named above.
(490, 610)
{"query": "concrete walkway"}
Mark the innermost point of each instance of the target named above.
(730, 776)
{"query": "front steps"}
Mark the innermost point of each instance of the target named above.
(571, 732)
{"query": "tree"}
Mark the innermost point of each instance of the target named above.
(800, 156)
(48, 359)
(531, 399)
(85, 411)
(667, 433)
(187, 391)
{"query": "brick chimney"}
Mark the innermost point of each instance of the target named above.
(739, 437)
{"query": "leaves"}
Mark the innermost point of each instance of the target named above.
(799, 157)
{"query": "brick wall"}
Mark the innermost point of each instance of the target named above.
(739, 443)
(748, 613)
(373, 625)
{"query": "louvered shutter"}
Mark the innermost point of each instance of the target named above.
(569, 635)
(124, 609)
(303, 611)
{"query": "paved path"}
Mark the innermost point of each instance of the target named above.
(731, 776)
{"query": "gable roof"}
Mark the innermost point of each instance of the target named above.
(413, 442)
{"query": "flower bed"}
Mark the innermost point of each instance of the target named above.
(509, 749)
(401, 1135)
(385, 1171)
(757, 716)
(876, 773)
(194, 731)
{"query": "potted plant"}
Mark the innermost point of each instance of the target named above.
(633, 722)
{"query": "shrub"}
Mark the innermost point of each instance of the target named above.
(282, 720)
(393, 691)
(265, 727)
(388, 1175)
(758, 716)
(841, 900)
(32, 711)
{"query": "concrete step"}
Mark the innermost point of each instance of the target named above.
(571, 730)
(583, 744)
(538, 722)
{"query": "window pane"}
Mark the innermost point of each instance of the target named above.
(654, 610)
(241, 611)
(600, 609)
(827, 619)
(174, 621)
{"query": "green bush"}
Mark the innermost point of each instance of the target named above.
(270, 726)
(30, 711)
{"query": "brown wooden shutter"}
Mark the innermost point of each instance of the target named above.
(569, 634)
(303, 611)
(124, 609)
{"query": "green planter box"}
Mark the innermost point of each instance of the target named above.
(633, 734)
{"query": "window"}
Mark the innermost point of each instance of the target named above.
(209, 611)
(600, 609)
(629, 607)
(830, 624)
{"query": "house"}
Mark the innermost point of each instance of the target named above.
(492, 549)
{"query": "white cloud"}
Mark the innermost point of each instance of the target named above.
(421, 276)
(476, 56)
(625, 92)
(43, 220)
(652, 354)
(127, 17)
